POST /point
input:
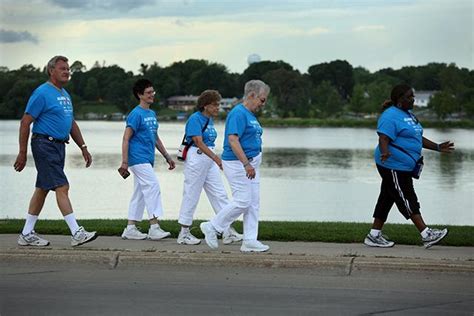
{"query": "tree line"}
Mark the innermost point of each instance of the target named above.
(326, 90)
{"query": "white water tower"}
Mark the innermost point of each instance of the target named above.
(253, 58)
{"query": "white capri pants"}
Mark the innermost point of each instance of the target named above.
(245, 198)
(146, 192)
(200, 172)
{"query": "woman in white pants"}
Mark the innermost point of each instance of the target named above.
(241, 158)
(138, 153)
(201, 169)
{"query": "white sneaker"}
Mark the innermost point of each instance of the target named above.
(32, 239)
(133, 234)
(231, 235)
(434, 236)
(186, 238)
(157, 233)
(253, 246)
(81, 236)
(210, 235)
(378, 241)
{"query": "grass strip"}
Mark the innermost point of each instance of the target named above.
(338, 232)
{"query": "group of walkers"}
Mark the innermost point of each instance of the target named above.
(51, 112)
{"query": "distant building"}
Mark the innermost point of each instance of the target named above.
(182, 103)
(226, 104)
(422, 98)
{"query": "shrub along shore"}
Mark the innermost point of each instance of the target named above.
(339, 232)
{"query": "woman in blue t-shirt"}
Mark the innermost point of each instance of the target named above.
(201, 169)
(400, 143)
(241, 162)
(138, 154)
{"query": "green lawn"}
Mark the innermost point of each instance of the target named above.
(340, 232)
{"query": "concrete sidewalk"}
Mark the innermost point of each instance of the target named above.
(347, 258)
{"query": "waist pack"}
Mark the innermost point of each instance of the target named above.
(184, 147)
(416, 172)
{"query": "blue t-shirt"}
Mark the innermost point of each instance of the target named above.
(404, 131)
(243, 123)
(141, 148)
(194, 127)
(52, 110)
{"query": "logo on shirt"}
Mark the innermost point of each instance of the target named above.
(65, 103)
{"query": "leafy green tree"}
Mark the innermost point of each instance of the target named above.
(338, 73)
(77, 66)
(91, 90)
(257, 71)
(443, 103)
(327, 100)
(358, 99)
(290, 91)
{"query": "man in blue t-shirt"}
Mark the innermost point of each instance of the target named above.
(138, 153)
(51, 112)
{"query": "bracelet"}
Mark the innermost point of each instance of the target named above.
(246, 164)
(83, 146)
(437, 147)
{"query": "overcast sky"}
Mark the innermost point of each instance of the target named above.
(373, 34)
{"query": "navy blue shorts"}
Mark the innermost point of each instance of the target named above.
(49, 160)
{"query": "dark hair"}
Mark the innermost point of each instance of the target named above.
(207, 97)
(397, 92)
(140, 86)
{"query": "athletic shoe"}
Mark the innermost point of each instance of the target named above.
(434, 236)
(133, 233)
(32, 239)
(157, 233)
(378, 241)
(210, 235)
(186, 238)
(81, 236)
(230, 236)
(253, 246)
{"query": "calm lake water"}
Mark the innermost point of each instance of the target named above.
(308, 174)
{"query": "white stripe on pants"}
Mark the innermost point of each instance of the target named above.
(245, 198)
(146, 192)
(200, 172)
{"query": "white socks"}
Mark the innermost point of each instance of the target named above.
(375, 232)
(29, 224)
(130, 226)
(154, 226)
(184, 230)
(72, 223)
(424, 233)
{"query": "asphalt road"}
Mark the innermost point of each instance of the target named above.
(58, 288)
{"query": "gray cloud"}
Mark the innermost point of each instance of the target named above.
(15, 37)
(115, 5)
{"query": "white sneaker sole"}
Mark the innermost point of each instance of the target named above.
(20, 243)
(183, 242)
(245, 249)
(159, 237)
(134, 238)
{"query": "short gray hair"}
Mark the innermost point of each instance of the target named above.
(255, 87)
(53, 61)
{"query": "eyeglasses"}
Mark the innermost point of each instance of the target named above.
(150, 92)
(263, 100)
